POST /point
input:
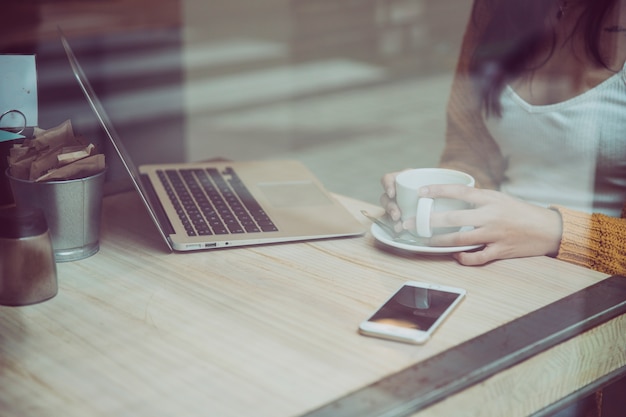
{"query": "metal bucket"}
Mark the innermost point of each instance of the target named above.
(73, 211)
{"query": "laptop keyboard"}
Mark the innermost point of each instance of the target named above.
(210, 202)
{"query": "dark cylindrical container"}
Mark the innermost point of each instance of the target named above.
(28, 272)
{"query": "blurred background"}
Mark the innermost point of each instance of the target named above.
(352, 88)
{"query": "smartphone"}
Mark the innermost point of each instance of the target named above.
(413, 313)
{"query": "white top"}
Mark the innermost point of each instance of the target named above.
(571, 153)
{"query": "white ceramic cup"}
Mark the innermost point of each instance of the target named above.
(420, 208)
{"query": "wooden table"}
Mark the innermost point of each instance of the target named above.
(271, 330)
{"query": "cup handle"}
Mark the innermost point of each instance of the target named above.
(422, 218)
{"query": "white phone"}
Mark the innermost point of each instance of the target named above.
(413, 313)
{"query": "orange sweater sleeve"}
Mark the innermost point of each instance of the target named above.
(594, 240)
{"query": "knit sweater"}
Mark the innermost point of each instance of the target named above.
(593, 240)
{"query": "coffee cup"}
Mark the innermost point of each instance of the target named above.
(414, 207)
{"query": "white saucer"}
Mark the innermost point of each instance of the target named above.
(383, 237)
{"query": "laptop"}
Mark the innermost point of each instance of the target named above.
(200, 206)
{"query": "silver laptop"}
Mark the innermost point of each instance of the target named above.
(198, 206)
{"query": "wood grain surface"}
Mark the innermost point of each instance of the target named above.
(264, 331)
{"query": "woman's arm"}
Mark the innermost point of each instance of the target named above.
(469, 146)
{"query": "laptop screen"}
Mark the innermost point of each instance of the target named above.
(111, 133)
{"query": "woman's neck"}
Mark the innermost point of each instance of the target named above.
(565, 68)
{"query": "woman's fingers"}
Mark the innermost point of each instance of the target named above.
(475, 196)
(479, 257)
(388, 181)
(390, 206)
(457, 218)
(388, 199)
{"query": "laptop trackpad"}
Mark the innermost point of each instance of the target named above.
(294, 193)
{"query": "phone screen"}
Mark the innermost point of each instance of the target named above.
(415, 308)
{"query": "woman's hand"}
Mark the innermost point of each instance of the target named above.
(508, 227)
(388, 199)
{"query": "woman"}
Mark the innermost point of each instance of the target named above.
(537, 115)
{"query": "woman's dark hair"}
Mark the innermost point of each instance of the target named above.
(516, 32)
